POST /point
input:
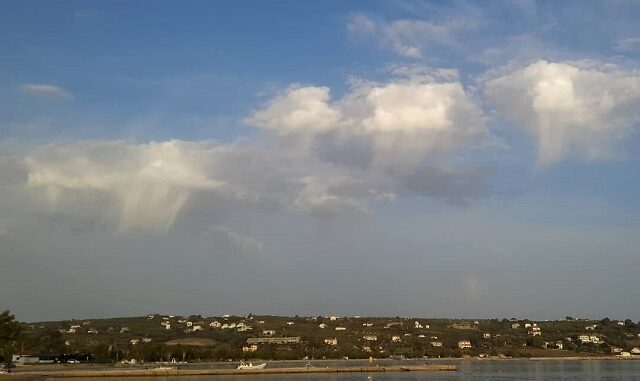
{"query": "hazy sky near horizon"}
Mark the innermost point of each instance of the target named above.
(415, 158)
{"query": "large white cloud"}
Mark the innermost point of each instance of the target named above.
(573, 109)
(375, 142)
(148, 183)
(397, 123)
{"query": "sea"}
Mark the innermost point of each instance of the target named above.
(468, 370)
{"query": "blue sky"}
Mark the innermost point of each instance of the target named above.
(416, 158)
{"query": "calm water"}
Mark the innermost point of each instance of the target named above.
(589, 370)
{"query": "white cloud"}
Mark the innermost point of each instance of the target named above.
(222, 235)
(46, 90)
(149, 183)
(362, 148)
(299, 109)
(398, 123)
(628, 45)
(409, 37)
(573, 109)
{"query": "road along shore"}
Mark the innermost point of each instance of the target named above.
(233, 372)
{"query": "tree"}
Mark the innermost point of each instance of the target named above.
(9, 331)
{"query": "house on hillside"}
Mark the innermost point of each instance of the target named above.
(464, 344)
(436, 343)
(322, 326)
(341, 329)
(370, 337)
(396, 339)
(331, 341)
(250, 348)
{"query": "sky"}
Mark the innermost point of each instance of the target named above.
(374, 158)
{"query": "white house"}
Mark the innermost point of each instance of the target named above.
(559, 345)
(367, 324)
(331, 341)
(322, 326)
(417, 325)
(464, 344)
(250, 348)
(341, 329)
(396, 339)
(635, 351)
(189, 324)
(197, 328)
(333, 318)
(215, 324)
(167, 326)
(134, 341)
(584, 339)
(486, 335)
(370, 337)
(290, 323)
(436, 343)
(515, 325)
(268, 332)
(147, 340)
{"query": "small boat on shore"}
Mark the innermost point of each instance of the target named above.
(250, 366)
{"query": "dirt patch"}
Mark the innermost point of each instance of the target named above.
(193, 341)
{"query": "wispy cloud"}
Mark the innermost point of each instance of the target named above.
(628, 45)
(46, 90)
(409, 37)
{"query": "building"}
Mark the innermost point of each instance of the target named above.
(515, 325)
(24, 359)
(635, 351)
(559, 345)
(486, 335)
(436, 343)
(322, 326)
(268, 332)
(274, 340)
(341, 329)
(370, 337)
(464, 344)
(396, 339)
(215, 324)
(616, 350)
(331, 341)
(197, 328)
(250, 348)
(417, 325)
(333, 318)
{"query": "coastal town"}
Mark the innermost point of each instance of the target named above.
(181, 339)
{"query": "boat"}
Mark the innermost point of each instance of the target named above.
(250, 366)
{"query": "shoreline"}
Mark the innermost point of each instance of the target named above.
(226, 372)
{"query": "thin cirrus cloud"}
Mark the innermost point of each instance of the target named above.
(46, 90)
(409, 37)
(573, 109)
